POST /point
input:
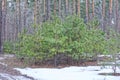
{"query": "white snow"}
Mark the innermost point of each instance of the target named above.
(69, 73)
(11, 77)
(3, 64)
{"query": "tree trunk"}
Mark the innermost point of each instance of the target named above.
(1, 51)
(18, 18)
(39, 11)
(78, 7)
(74, 7)
(35, 12)
(93, 8)
(3, 19)
(117, 14)
(44, 6)
(48, 11)
(44, 11)
(110, 11)
(59, 8)
(87, 11)
(103, 15)
(25, 12)
(66, 7)
(37, 6)
(54, 7)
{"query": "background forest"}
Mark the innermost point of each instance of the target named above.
(38, 30)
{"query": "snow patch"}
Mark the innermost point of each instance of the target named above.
(10, 77)
(68, 73)
(3, 64)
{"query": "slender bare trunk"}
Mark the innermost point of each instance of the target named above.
(74, 7)
(18, 16)
(44, 6)
(54, 7)
(3, 19)
(93, 8)
(87, 11)
(48, 11)
(1, 51)
(78, 7)
(44, 11)
(103, 15)
(66, 7)
(117, 14)
(18, 20)
(39, 11)
(20, 24)
(25, 12)
(59, 8)
(110, 10)
(35, 12)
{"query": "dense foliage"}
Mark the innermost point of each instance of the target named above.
(70, 36)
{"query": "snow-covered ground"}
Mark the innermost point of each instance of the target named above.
(4, 76)
(69, 73)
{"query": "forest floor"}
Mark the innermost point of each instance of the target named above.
(10, 67)
(8, 62)
(7, 71)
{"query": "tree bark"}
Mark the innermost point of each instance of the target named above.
(110, 11)
(3, 19)
(54, 7)
(87, 11)
(48, 11)
(25, 12)
(39, 11)
(37, 8)
(1, 49)
(74, 7)
(66, 7)
(59, 8)
(35, 12)
(44, 11)
(78, 7)
(44, 6)
(18, 18)
(117, 14)
(103, 14)
(93, 8)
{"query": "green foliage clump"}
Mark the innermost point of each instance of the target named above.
(70, 36)
(8, 47)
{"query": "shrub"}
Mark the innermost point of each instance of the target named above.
(8, 47)
(70, 36)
